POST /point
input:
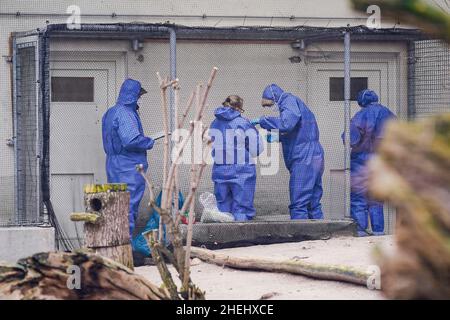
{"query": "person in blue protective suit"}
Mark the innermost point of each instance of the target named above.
(126, 145)
(366, 131)
(303, 154)
(235, 143)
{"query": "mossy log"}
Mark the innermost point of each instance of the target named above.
(52, 276)
(106, 187)
(412, 172)
(312, 270)
(91, 217)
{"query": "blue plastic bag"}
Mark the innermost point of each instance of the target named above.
(138, 243)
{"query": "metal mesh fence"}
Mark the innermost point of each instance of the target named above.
(26, 142)
(99, 66)
(431, 78)
(253, 65)
(27, 136)
(7, 212)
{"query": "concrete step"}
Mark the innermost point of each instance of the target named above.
(21, 242)
(239, 234)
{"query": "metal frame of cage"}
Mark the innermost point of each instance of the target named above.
(300, 37)
(20, 216)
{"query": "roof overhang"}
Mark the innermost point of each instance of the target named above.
(159, 31)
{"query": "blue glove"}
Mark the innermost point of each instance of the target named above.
(271, 137)
(255, 121)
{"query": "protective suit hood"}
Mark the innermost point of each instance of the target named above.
(273, 92)
(226, 113)
(129, 93)
(366, 97)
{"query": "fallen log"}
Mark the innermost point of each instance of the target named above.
(412, 172)
(312, 270)
(75, 276)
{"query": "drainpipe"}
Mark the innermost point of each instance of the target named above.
(347, 116)
(16, 158)
(172, 111)
(173, 76)
(411, 111)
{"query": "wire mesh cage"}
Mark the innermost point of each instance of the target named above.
(90, 65)
(27, 135)
(430, 78)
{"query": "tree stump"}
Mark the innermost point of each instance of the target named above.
(106, 224)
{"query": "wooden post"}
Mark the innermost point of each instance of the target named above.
(108, 233)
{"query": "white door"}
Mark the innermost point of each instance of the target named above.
(328, 106)
(81, 92)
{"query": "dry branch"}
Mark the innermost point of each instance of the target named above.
(191, 208)
(176, 186)
(151, 187)
(205, 94)
(186, 111)
(189, 290)
(198, 117)
(191, 195)
(316, 271)
(163, 93)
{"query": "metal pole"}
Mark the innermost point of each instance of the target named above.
(37, 66)
(45, 128)
(173, 76)
(172, 112)
(347, 116)
(16, 153)
(411, 79)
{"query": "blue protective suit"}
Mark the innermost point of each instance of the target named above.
(235, 142)
(302, 151)
(138, 243)
(125, 145)
(366, 130)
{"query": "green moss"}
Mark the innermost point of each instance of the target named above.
(90, 217)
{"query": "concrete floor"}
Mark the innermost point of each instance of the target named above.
(228, 284)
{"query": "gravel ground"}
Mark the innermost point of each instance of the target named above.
(228, 284)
